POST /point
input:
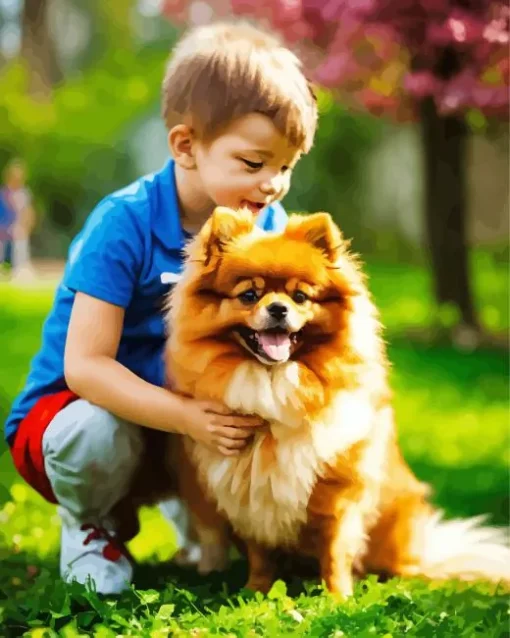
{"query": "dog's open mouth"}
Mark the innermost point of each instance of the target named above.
(274, 346)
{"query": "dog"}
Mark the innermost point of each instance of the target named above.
(283, 326)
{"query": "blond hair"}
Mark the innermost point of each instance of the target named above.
(225, 70)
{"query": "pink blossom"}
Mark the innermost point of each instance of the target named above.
(335, 69)
(496, 32)
(421, 84)
(377, 103)
(353, 46)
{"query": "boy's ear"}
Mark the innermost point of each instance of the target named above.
(180, 143)
(224, 225)
(320, 230)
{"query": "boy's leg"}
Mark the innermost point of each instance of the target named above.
(89, 458)
(20, 256)
(8, 252)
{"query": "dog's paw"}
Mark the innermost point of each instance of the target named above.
(262, 585)
(189, 555)
(341, 589)
(214, 558)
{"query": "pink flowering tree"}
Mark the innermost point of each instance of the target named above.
(442, 62)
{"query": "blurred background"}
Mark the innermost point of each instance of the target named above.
(411, 158)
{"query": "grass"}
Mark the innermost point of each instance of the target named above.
(452, 409)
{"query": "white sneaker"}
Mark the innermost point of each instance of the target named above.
(188, 552)
(212, 555)
(91, 552)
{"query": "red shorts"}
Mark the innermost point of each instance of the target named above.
(27, 451)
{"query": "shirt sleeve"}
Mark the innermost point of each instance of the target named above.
(105, 260)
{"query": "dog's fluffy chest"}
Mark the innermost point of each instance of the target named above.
(265, 490)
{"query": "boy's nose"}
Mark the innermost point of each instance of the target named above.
(269, 187)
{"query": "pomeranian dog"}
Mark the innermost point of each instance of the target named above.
(283, 326)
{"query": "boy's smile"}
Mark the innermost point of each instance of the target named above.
(248, 164)
(255, 207)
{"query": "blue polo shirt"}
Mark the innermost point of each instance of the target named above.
(128, 253)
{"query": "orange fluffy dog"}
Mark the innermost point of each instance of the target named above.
(283, 326)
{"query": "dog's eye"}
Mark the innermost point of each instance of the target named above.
(249, 296)
(299, 296)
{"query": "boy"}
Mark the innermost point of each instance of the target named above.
(239, 114)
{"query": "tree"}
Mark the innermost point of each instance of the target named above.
(442, 62)
(38, 49)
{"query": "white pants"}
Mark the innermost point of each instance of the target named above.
(20, 254)
(90, 457)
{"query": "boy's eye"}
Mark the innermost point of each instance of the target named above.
(299, 296)
(253, 165)
(249, 296)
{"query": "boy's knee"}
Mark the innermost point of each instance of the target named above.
(83, 434)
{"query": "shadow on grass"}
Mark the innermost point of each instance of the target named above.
(211, 591)
(229, 582)
(31, 598)
(23, 570)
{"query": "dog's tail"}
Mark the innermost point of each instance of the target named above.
(464, 549)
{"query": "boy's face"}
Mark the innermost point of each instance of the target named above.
(15, 177)
(248, 164)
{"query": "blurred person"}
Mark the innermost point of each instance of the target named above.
(240, 114)
(17, 219)
(7, 219)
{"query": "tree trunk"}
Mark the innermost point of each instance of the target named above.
(38, 50)
(444, 144)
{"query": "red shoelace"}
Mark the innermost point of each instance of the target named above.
(113, 549)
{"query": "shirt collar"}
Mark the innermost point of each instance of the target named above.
(165, 204)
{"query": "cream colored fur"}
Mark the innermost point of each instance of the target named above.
(267, 500)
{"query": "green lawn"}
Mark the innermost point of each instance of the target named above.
(452, 409)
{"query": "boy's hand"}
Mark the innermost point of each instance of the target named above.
(215, 425)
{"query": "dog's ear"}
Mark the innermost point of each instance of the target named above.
(320, 230)
(224, 225)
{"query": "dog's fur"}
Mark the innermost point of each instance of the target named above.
(326, 478)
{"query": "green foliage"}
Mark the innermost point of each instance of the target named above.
(404, 292)
(76, 145)
(329, 178)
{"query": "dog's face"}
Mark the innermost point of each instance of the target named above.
(269, 297)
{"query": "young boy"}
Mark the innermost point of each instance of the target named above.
(239, 114)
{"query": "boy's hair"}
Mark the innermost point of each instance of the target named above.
(13, 163)
(223, 71)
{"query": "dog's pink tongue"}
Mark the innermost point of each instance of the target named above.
(276, 346)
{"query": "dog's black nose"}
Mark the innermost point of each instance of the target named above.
(277, 310)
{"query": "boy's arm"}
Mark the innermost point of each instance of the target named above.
(92, 372)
